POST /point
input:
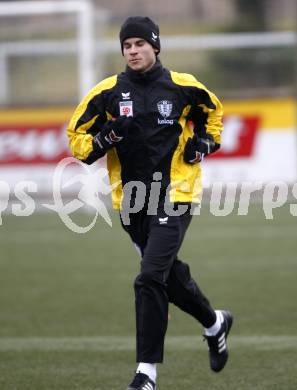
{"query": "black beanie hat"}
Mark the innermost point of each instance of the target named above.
(141, 27)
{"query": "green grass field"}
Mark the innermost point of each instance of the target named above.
(67, 304)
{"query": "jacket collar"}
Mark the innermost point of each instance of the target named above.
(146, 77)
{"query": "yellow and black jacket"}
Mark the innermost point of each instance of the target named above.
(167, 108)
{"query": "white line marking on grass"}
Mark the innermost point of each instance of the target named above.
(227, 233)
(126, 343)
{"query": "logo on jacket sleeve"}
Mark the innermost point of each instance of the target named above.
(165, 109)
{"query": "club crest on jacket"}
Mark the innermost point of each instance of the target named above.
(165, 108)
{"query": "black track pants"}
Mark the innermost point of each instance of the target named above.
(162, 279)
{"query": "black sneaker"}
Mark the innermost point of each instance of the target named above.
(141, 382)
(217, 345)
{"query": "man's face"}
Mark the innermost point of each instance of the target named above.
(139, 54)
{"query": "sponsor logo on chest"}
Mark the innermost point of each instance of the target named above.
(126, 108)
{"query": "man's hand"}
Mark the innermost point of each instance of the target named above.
(112, 133)
(198, 148)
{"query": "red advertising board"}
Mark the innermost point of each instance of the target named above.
(47, 143)
(239, 136)
(33, 141)
(37, 144)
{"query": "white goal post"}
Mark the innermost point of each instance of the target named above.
(85, 35)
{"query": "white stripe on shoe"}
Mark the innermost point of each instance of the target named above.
(222, 343)
(148, 386)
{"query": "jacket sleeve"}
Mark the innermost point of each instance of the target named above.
(87, 120)
(207, 114)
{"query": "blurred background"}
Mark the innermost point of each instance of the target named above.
(66, 299)
(40, 63)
